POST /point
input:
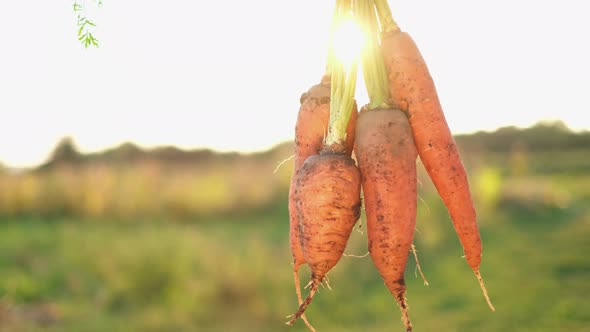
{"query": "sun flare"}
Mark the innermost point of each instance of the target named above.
(348, 41)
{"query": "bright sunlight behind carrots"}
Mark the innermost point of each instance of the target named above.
(216, 165)
(349, 38)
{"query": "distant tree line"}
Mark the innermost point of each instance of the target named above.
(540, 137)
(128, 182)
(66, 152)
(543, 136)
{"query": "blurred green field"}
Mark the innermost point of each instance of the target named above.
(129, 240)
(235, 275)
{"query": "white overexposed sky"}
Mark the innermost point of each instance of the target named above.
(228, 74)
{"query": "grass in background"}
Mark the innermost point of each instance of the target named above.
(129, 240)
(234, 275)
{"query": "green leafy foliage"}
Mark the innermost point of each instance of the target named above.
(85, 25)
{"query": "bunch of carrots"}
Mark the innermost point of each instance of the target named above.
(402, 121)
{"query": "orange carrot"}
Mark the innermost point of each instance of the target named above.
(327, 198)
(326, 189)
(310, 130)
(413, 91)
(386, 157)
(312, 123)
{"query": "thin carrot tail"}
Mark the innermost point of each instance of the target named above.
(314, 288)
(403, 305)
(298, 292)
(483, 288)
(398, 290)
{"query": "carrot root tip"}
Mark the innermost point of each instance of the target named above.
(299, 299)
(483, 288)
(406, 318)
(309, 326)
(303, 306)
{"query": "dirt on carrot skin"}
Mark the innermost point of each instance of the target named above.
(387, 161)
(327, 197)
(328, 202)
(312, 123)
(310, 130)
(413, 91)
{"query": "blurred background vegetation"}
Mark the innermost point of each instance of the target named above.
(130, 239)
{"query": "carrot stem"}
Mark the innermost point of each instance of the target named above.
(386, 20)
(343, 86)
(374, 71)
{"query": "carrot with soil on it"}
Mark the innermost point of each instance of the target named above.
(328, 205)
(386, 156)
(312, 121)
(387, 160)
(310, 130)
(413, 91)
(326, 189)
